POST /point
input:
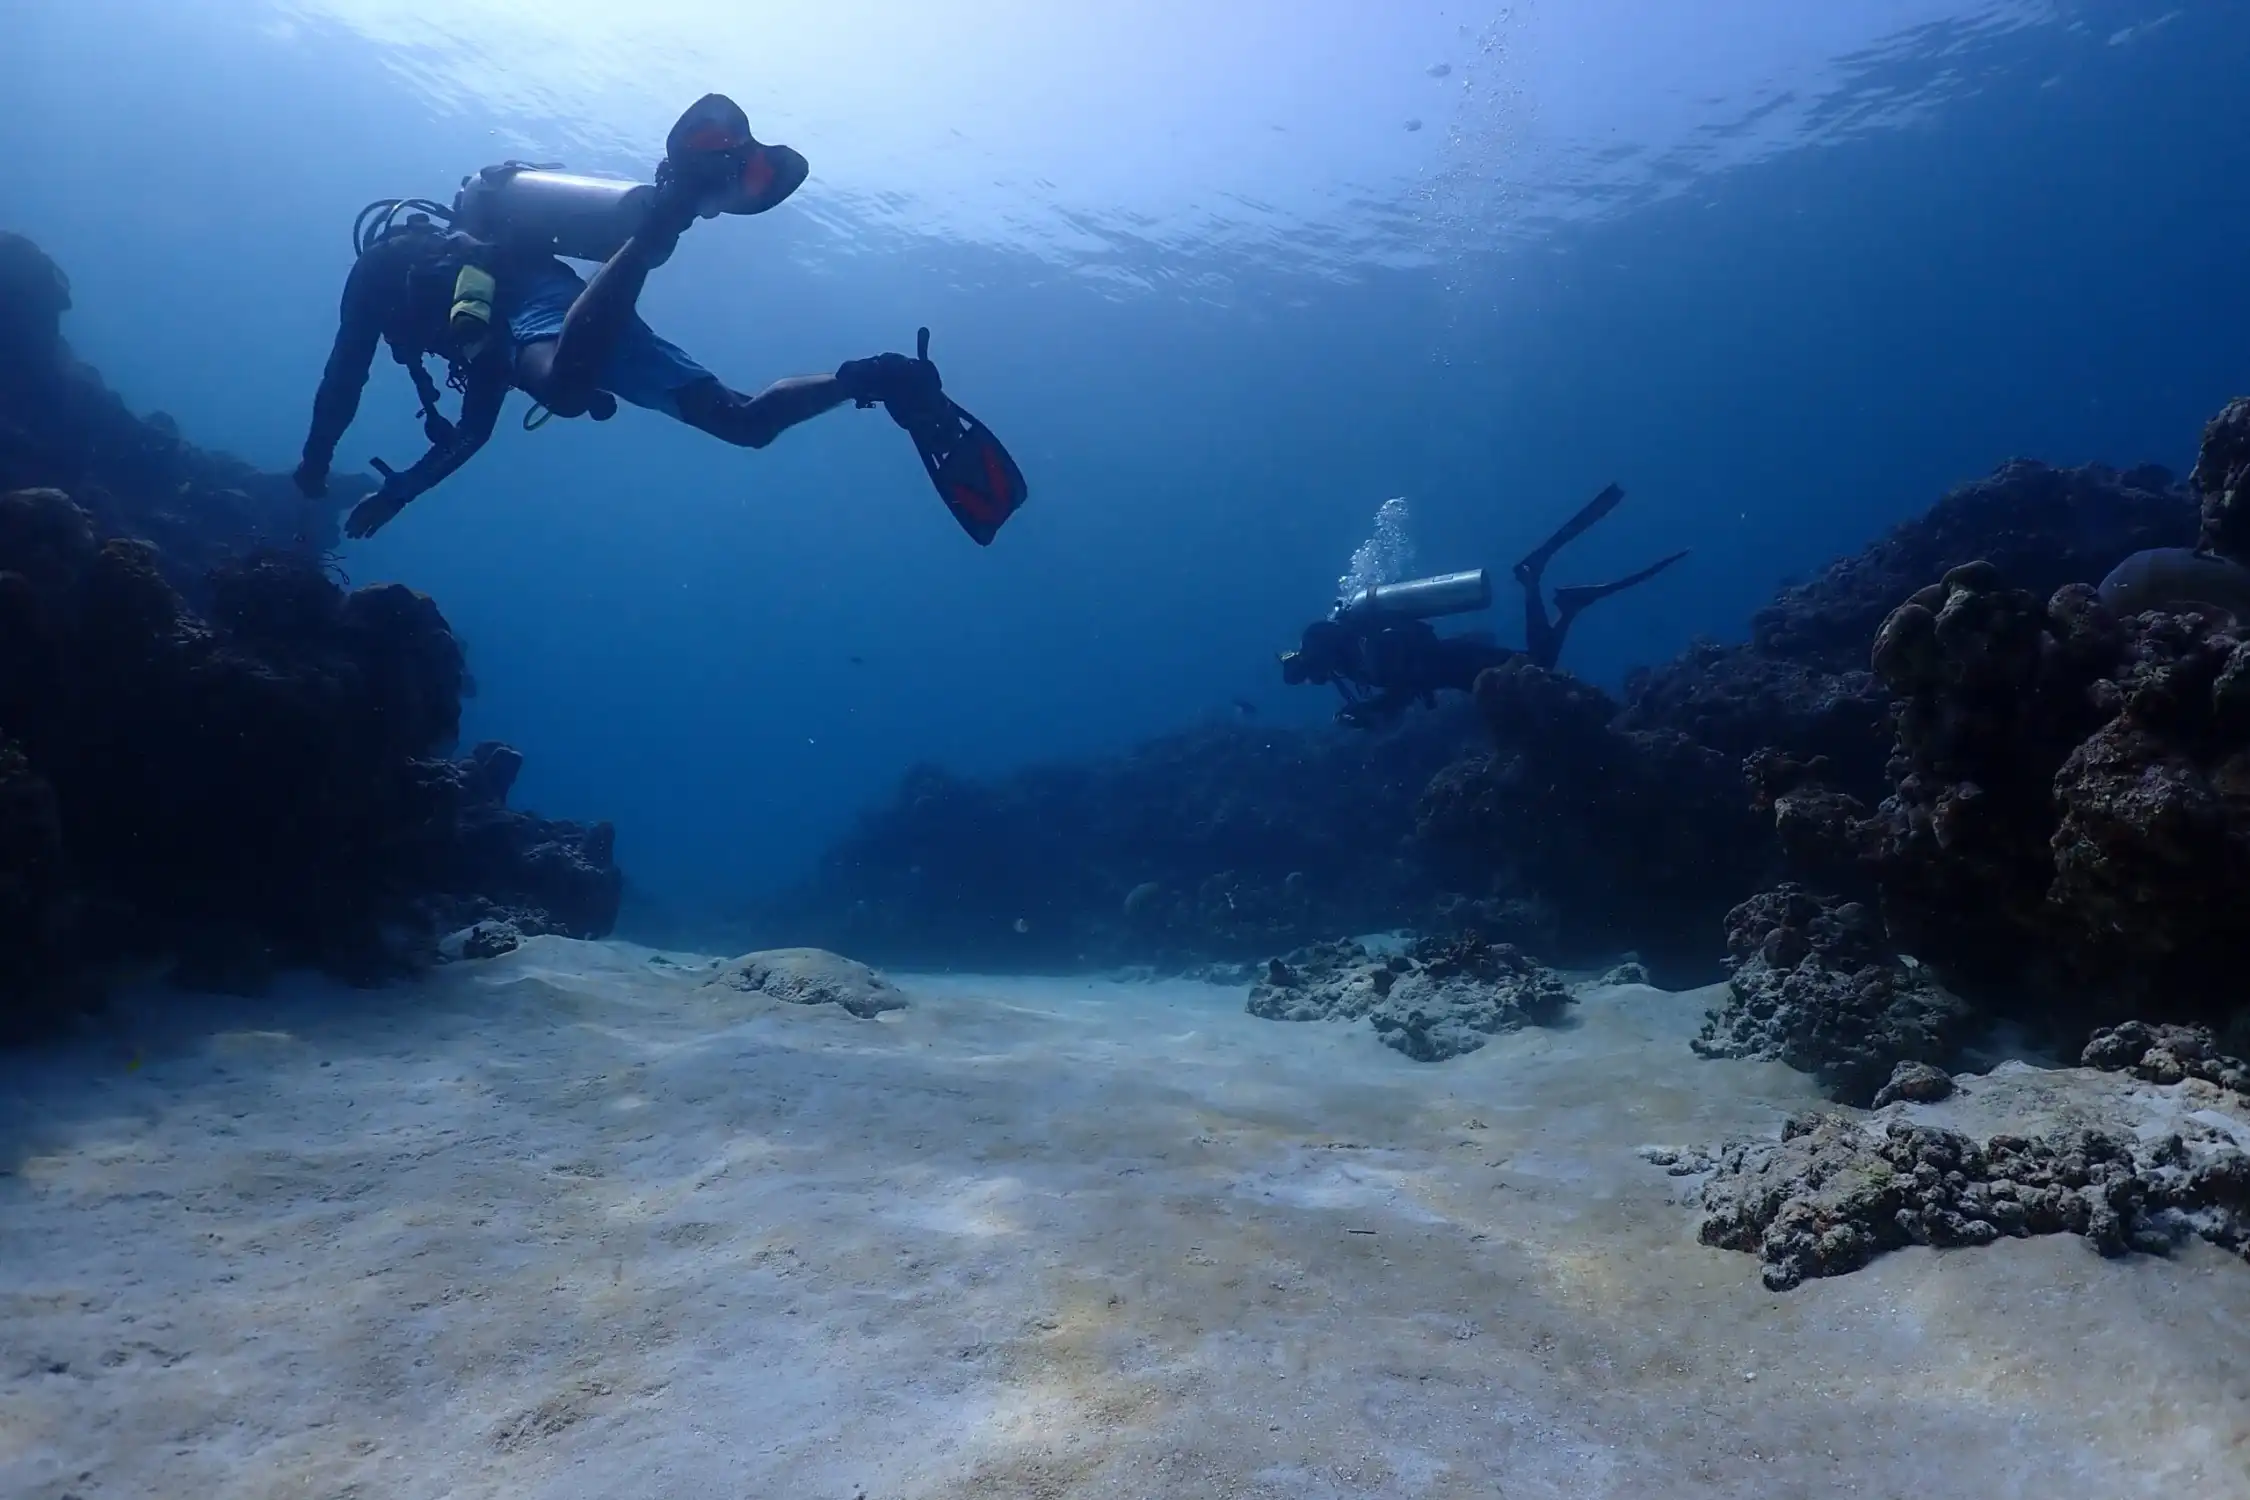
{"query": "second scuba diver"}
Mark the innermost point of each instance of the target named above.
(1379, 651)
(490, 297)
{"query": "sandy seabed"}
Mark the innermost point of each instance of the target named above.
(569, 1224)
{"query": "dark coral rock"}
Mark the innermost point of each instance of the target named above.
(1830, 1195)
(812, 976)
(1817, 985)
(37, 942)
(255, 792)
(62, 427)
(2068, 832)
(2222, 481)
(1739, 701)
(1437, 1000)
(1638, 839)
(1915, 1083)
(209, 750)
(2040, 527)
(2166, 1054)
(2152, 844)
(1994, 697)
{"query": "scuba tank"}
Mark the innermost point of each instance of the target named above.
(1421, 598)
(544, 210)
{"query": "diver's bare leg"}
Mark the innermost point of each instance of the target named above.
(601, 313)
(754, 421)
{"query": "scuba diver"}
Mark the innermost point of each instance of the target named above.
(1380, 652)
(489, 296)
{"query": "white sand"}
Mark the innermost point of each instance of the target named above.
(563, 1224)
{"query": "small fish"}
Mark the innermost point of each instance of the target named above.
(1439, 70)
(1023, 924)
(2165, 577)
(857, 661)
(1413, 125)
(1246, 708)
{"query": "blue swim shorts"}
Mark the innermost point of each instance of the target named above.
(643, 369)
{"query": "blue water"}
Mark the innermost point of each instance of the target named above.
(1783, 270)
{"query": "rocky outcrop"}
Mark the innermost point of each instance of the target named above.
(2222, 483)
(1834, 1193)
(1638, 839)
(2167, 1054)
(2067, 836)
(812, 976)
(2041, 527)
(61, 427)
(1915, 1083)
(1816, 985)
(211, 753)
(1435, 1000)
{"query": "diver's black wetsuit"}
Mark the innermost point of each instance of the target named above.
(401, 292)
(1384, 669)
(402, 289)
(1383, 664)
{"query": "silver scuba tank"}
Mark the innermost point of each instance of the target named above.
(546, 210)
(1422, 598)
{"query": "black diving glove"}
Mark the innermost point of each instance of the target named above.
(902, 384)
(312, 479)
(376, 511)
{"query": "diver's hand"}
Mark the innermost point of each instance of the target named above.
(312, 479)
(899, 381)
(375, 512)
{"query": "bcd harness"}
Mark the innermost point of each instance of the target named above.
(469, 327)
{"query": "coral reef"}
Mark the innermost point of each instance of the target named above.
(1437, 999)
(210, 752)
(1638, 838)
(2068, 812)
(1832, 1194)
(1915, 1083)
(252, 791)
(812, 976)
(2041, 526)
(61, 427)
(2222, 481)
(1225, 843)
(1817, 986)
(2167, 1054)
(1578, 825)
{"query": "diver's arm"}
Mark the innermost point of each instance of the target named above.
(486, 393)
(480, 412)
(359, 328)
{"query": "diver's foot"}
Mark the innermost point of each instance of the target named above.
(702, 158)
(716, 166)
